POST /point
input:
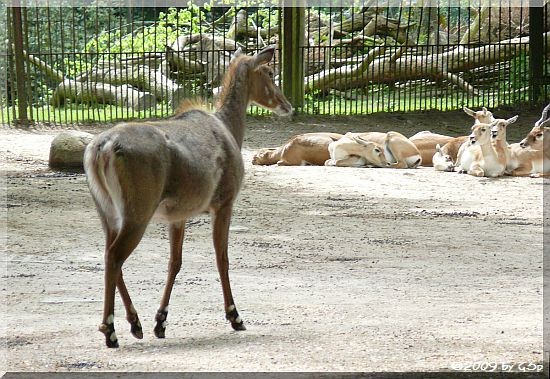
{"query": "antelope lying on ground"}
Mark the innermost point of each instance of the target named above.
(519, 161)
(303, 149)
(346, 152)
(480, 117)
(399, 151)
(487, 160)
(426, 143)
(175, 169)
(534, 147)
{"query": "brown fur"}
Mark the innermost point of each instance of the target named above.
(308, 148)
(175, 169)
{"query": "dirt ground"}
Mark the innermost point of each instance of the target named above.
(332, 269)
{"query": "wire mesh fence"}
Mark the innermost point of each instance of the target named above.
(95, 64)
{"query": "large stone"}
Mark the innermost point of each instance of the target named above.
(67, 150)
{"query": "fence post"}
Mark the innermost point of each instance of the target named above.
(291, 54)
(536, 52)
(17, 34)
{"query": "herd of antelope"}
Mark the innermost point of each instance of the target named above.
(485, 152)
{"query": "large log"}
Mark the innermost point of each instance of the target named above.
(101, 93)
(412, 67)
(138, 76)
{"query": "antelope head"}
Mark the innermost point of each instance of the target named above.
(481, 117)
(498, 129)
(535, 138)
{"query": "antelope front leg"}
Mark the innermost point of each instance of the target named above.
(222, 219)
(176, 240)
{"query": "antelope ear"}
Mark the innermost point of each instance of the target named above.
(484, 111)
(264, 56)
(236, 54)
(438, 148)
(511, 120)
(469, 112)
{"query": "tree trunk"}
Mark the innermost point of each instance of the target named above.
(101, 93)
(411, 67)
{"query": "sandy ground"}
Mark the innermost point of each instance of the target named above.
(333, 269)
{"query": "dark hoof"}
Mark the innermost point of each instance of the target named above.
(160, 327)
(136, 329)
(238, 326)
(110, 336)
(233, 317)
(160, 331)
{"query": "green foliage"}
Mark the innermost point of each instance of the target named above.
(153, 37)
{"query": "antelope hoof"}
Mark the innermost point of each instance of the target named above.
(110, 336)
(160, 327)
(136, 329)
(238, 326)
(233, 316)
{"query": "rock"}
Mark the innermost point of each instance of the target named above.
(67, 150)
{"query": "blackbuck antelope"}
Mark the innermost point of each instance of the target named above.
(300, 150)
(175, 169)
(346, 152)
(480, 117)
(487, 159)
(534, 144)
(399, 151)
(426, 142)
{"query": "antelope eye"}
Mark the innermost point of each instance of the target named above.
(377, 150)
(270, 73)
(483, 129)
(539, 135)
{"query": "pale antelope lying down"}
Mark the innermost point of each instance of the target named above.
(445, 156)
(441, 151)
(426, 143)
(480, 117)
(300, 150)
(532, 154)
(397, 150)
(346, 152)
(482, 157)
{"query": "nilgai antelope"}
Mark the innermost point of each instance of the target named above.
(346, 152)
(300, 150)
(400, 152)
(175, 169)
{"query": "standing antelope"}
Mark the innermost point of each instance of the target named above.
(175, 169)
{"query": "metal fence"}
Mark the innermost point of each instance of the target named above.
(94, 64)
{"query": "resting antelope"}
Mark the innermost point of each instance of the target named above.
(446, 156)
(400, 152)
(346, 152)
(302, 149)
(426, 143)
(487, 160)
(480, 117)
(175, 169)
(535, 142)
